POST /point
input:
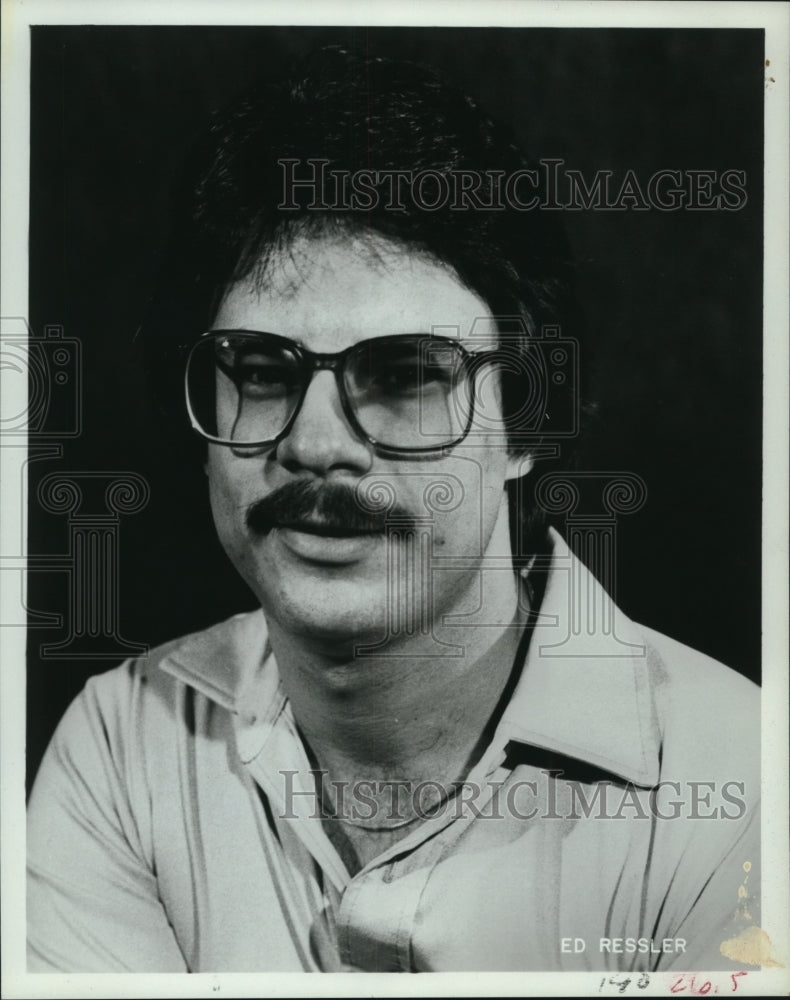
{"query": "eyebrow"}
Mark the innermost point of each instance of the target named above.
(299, 341)
(442, 333)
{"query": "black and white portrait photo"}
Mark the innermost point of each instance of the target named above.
(394, 453)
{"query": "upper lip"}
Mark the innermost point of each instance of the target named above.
(324, 528)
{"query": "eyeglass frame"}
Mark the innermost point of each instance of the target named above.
(314, 361)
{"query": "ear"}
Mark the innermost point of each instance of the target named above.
(519, 465)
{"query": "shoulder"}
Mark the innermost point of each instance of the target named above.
(707, 714)
(138, 707)
(214, 662)
(687, 680)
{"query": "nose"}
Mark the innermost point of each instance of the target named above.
(321, 440)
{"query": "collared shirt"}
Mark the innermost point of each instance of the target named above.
(611, 823)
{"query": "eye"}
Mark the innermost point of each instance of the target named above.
(256, 370)
(264, 377)
(263, 371)
(406, 370)
(398, 377)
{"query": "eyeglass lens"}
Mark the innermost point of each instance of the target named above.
(406, 392)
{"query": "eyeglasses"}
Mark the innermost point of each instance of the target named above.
(405, 394)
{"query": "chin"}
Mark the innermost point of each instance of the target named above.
(337, 615)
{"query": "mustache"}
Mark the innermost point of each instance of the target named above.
(333, 508)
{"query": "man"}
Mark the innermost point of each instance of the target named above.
(402, 762)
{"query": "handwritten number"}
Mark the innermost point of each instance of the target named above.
(685, 983)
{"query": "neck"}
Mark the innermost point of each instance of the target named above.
(407, 712)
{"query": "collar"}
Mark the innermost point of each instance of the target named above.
(584, 690)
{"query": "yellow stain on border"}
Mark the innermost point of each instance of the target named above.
(751, 947)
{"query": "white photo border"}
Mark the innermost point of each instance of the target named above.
(18, 16)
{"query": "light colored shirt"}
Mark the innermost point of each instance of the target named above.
(173, 825)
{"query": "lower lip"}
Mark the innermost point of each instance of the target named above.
(328, 549)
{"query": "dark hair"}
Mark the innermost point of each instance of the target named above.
(374, 114)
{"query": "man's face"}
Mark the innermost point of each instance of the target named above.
(326, 295)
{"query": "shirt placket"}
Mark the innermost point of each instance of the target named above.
(376, 918)
(374, 913)
(378, 911)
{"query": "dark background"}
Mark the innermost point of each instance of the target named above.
(673, 300)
